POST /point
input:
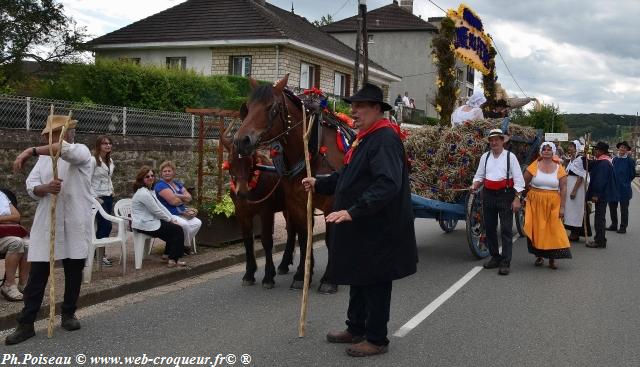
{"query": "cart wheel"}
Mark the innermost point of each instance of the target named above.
(520, 219)
(448, 225)
(475, 227)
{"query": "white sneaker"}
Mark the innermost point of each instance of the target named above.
(11, 293)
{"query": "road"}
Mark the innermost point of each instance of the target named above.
(586, 313)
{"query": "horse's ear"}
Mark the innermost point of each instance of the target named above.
(253, 83)
(282, 83)
(244, 111)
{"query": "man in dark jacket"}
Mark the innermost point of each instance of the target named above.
(625, 171)
(373, 235)
(602, 189)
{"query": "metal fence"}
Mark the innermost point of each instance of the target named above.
(28, 113)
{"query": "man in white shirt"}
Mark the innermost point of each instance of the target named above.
(499, 171)
(14, 250)
(405, 100)
(73, 223)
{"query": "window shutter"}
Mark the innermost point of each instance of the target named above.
(230, 65)
(347, 85)
(316, 78)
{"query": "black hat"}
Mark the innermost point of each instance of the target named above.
(369, 93)
(623, 143)
(602, 146)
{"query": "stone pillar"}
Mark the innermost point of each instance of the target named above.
(407, 5)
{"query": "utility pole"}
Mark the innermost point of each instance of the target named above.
(365, 42)
(356, 69)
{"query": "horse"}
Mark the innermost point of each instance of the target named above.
(273, 118)
(264, 200)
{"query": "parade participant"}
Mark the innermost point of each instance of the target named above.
(150, 217)
(500, 173)
(13, 249)
(602, 189)
(373, 235)
(624, 168)
(173, 195)
(73, 222)
(405, 100)
(574, 204)
(470, 111)
(103, 186)
(546, 237)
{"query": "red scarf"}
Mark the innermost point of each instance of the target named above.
(382, 123)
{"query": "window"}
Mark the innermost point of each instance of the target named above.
(470, 74)
(370, 38)
(177, 63)
(469, 92)
(460, 74)
(339, 84)
(309, 75)
(133, 60)
(240, 65)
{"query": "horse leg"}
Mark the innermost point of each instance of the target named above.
(298, 277)
(267, 244)
(287, 256)
(246, 223)
(326, 286)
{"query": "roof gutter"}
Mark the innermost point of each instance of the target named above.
(252, 42)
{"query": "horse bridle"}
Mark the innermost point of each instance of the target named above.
(278, 109)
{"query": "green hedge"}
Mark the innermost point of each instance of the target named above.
(126, 84)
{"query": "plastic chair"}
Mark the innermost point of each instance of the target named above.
(119, 240)
(122, 208)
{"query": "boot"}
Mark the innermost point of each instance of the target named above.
(20, 334)
(70, 322)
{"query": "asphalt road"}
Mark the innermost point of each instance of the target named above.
(586, 313)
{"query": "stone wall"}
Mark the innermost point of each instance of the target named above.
(290, 63)
(263, 61)
(129, 154)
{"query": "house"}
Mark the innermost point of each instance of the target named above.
(240, 37)
(401, 42)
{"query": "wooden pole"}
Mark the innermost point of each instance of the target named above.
(586, 178)
(365, 44)
(356, 68)
(220, 153)
(200, 157)
(307, 127)
(52, 228)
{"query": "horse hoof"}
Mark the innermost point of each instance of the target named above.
(283, 271)
(327, 288)
(297, 284)
(268, 285)
(246, 283)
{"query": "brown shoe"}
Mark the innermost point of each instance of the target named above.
(366, 349)
(343, 337)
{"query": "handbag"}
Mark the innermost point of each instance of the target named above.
(13, 230)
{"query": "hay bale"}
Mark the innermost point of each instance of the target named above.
(444, 160)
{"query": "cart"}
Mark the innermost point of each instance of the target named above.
(469, 208)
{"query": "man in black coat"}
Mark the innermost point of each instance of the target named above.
(373, 235)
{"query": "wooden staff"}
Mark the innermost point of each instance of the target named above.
(307, 127)
(586, 177)
(52, 228)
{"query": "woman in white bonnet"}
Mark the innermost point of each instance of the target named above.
(574, 207)
(470, 111)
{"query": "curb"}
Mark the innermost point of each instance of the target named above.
(9, 321)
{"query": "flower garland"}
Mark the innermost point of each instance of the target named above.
(444, 60)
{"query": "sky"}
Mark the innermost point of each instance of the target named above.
(582, 55)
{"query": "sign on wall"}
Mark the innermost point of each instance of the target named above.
(471, 43)
(556, 136)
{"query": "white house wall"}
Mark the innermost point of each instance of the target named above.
(198, 59)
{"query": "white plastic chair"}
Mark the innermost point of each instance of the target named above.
(122, 209)
(119, 240)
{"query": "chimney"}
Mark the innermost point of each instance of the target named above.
(407, 5)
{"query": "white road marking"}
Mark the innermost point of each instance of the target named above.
(422, 315)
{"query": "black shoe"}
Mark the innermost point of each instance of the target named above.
(596, 245)
(491, 264)
(504, 270)
(613, 227)
(622, 230)
(20, 334)
(70, 322)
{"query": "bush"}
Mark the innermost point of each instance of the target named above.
(151, 87)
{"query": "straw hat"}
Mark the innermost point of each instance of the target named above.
(497, 132)
(56, 122)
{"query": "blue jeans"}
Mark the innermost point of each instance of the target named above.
(104, 226)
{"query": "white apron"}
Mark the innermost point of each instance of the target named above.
(574, 208)
(73, 210)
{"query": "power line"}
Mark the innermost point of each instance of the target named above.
(499, 54)
(342, 7)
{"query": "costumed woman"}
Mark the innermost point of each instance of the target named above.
(574, 204)
(470, 111)
(544, 210)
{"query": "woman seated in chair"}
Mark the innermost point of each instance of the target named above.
(150, 217)
(174, 196)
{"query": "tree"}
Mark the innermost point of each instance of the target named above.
(326, 19)
(548, 118)
(38, 30)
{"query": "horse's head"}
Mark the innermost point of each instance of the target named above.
(264, 116)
